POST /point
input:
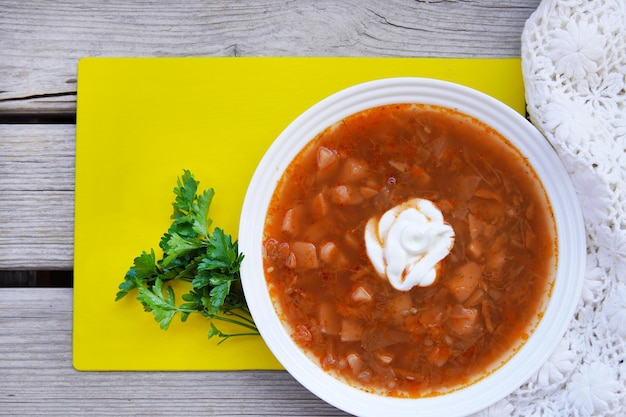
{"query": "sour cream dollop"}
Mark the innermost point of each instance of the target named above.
(407, 243)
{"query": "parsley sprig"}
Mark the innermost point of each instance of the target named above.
(191, 253)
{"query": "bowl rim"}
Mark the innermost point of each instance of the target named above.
(522, 135)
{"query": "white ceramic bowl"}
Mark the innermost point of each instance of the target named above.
(570, 232)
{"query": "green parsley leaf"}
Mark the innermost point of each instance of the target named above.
(208, 260)
(178, 245)
(163, 307)
(200, 213)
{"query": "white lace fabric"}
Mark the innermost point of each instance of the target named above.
(574, 68)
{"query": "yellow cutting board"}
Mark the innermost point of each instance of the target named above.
(141, 121)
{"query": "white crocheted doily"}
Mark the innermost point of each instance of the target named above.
(574, 68)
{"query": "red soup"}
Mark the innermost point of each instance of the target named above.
(489, 291)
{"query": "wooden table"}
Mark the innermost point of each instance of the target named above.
(40, 44)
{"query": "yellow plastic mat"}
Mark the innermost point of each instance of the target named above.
(141, 121)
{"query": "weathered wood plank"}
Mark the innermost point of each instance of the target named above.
(36, 196)
(36, 230)
(42, 41)
(38, 378)
(37, 157)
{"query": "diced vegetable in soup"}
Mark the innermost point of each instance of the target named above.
(490, 287)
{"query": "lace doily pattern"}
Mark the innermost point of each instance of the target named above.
(574, 68)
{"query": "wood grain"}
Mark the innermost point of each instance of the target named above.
(38, 378)
(36, 196)
(43, 41)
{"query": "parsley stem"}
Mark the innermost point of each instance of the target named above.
(242, 317)
(187, 274)
(237, 322)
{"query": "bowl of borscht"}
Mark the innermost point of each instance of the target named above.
(412, 247)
